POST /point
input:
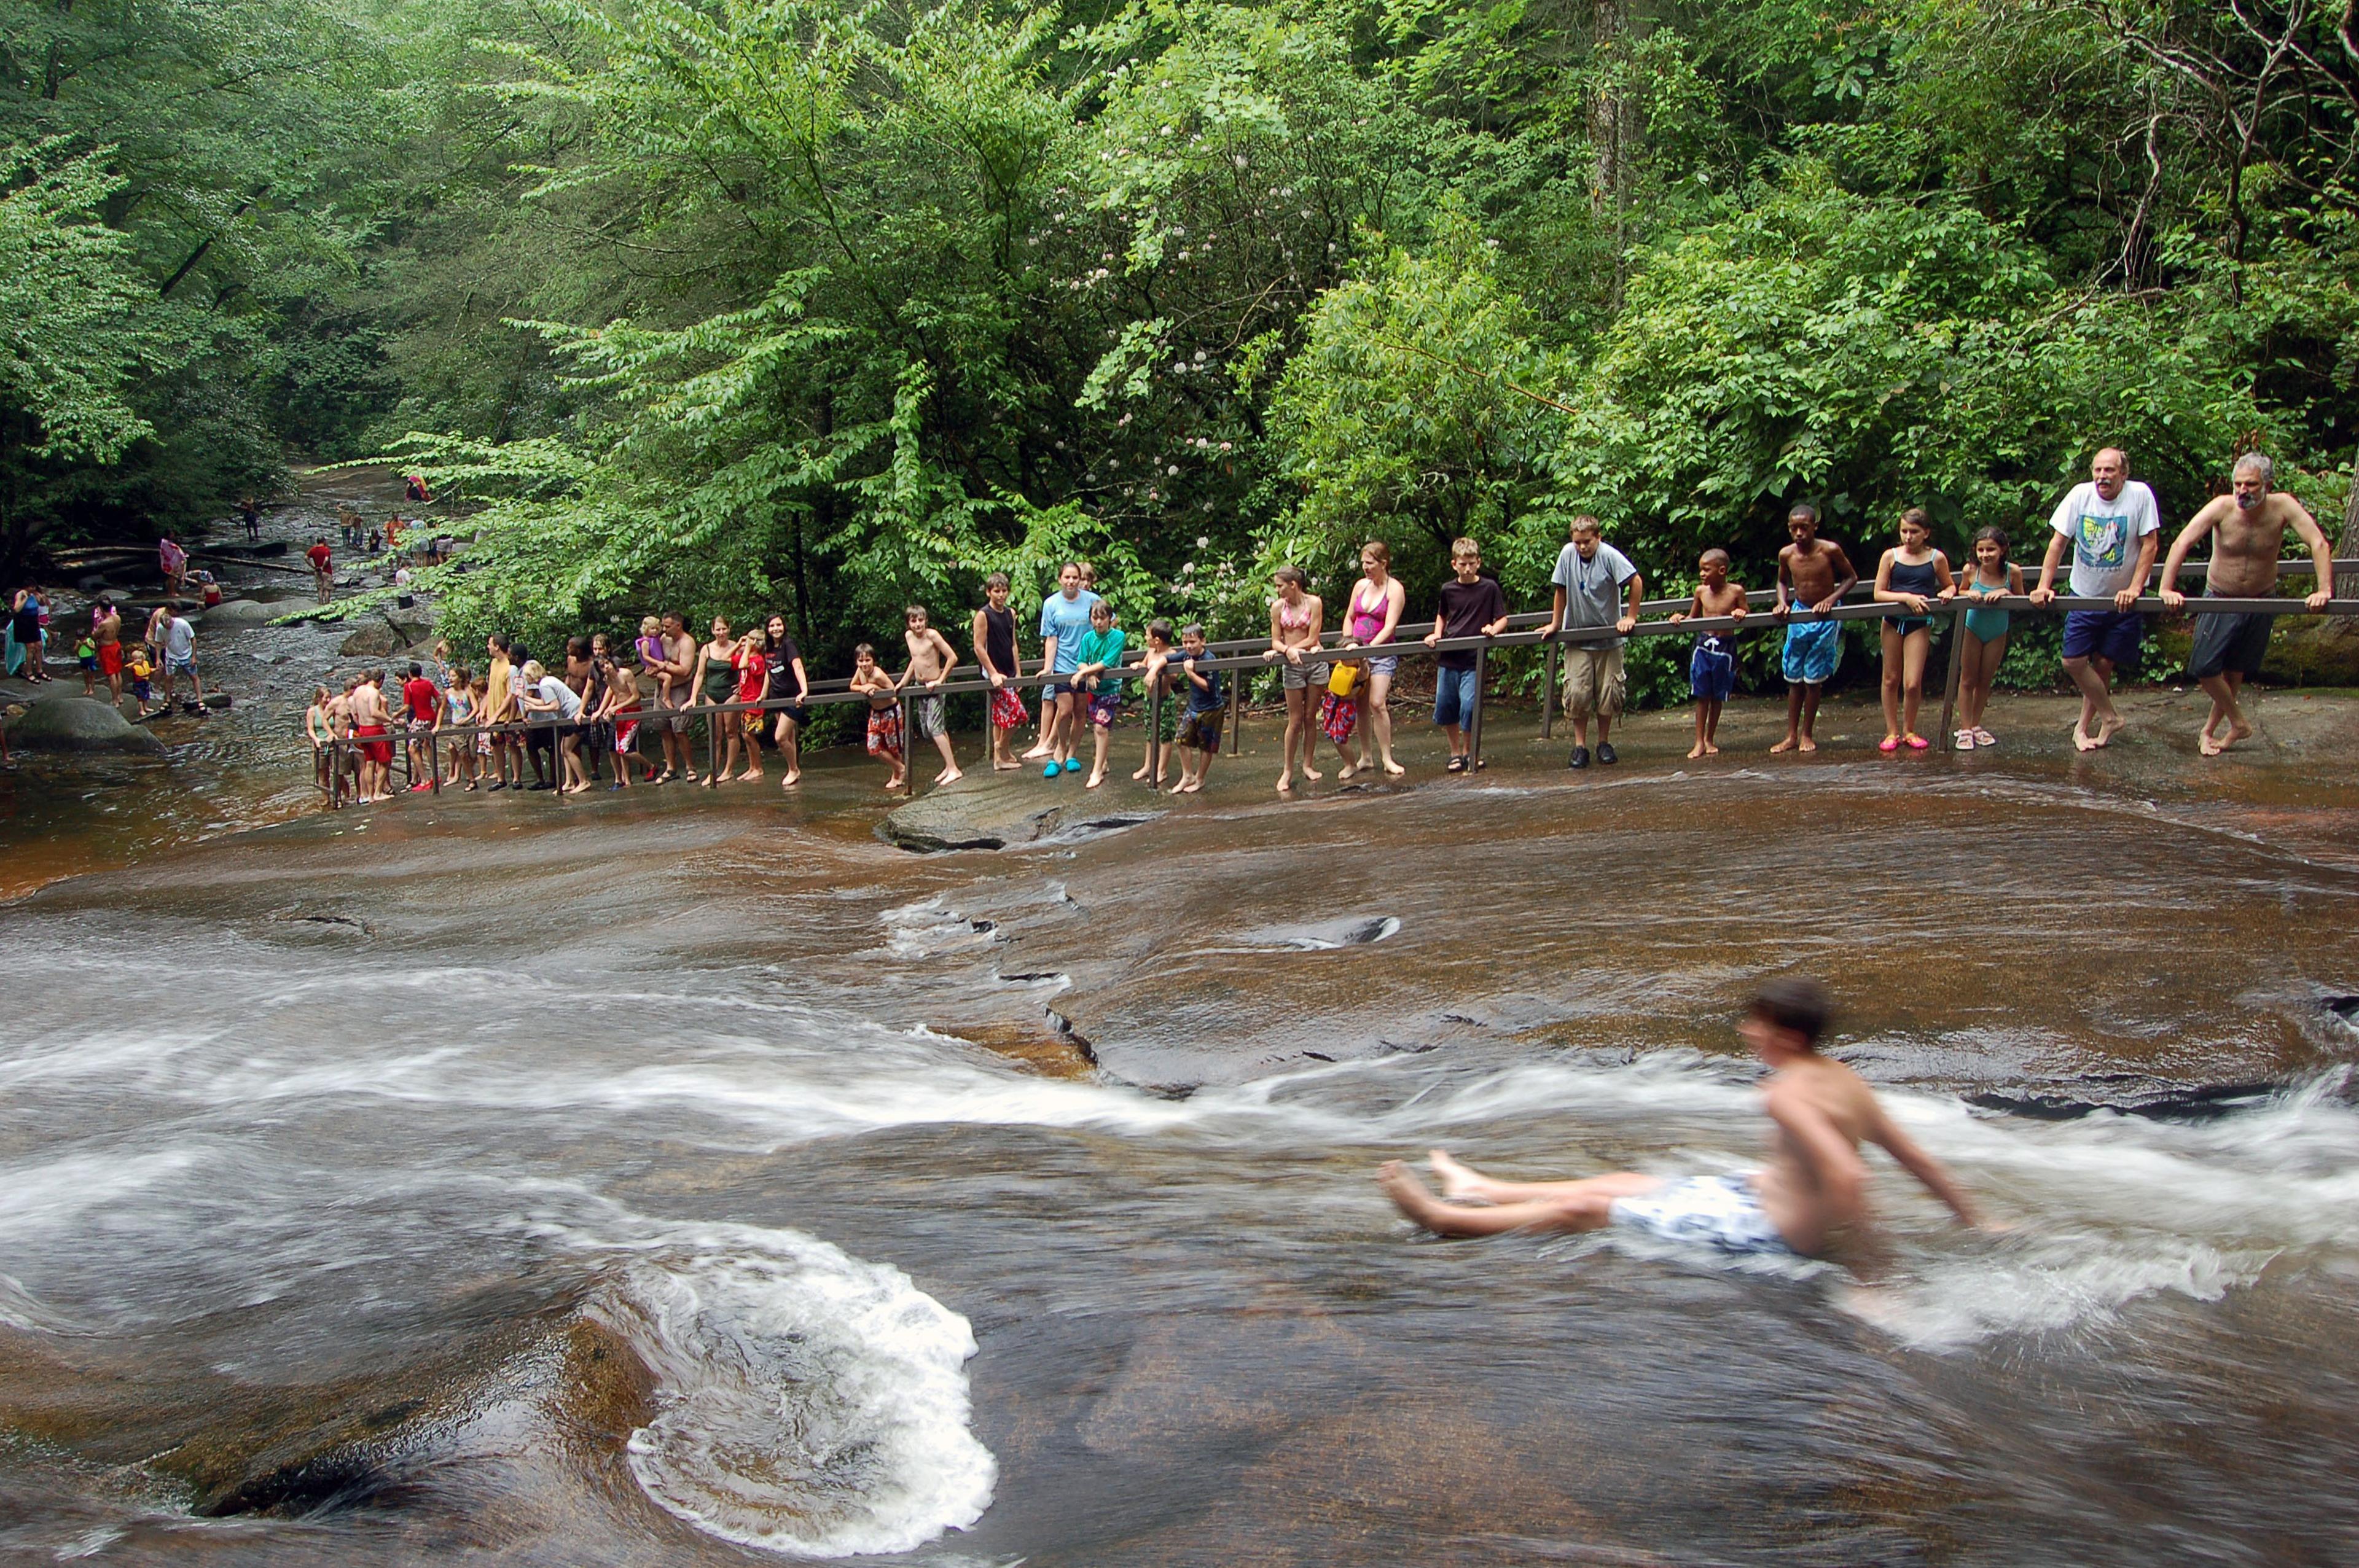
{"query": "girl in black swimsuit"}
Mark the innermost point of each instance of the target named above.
(1913, 576)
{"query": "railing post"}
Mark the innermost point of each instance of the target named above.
(1957, 673)
(908, 747)
(1237, 710)
(712, 745)
(1155, 733)
(1474, 725)
(1548, 691)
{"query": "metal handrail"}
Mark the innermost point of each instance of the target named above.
(1410, 647)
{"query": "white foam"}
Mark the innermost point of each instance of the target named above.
(811, 1402)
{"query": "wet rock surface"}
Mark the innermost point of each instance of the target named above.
(78, 724)
(998, 811)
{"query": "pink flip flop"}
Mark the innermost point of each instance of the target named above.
(1889, 743)
(1918, 742)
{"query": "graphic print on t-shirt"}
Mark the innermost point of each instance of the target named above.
(2101, 542)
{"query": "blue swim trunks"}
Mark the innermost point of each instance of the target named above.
(1813, 648)
(1711, 668)
(1724, 1212)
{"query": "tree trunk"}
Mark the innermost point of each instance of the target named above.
(1613, 137)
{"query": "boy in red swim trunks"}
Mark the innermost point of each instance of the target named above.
(884, 712)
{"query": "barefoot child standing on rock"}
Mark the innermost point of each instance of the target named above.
(1711, 668)
(1810, 1199)
(1814, 574)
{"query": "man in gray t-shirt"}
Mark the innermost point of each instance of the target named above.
(1595, 586)
(174, 639)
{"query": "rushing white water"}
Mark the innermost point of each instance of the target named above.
(810, 1401)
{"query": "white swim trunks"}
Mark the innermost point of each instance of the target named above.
(1708, 1211)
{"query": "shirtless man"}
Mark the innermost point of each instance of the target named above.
(106, 641)
(2248, 527)
(2114, 528)
(1809, 1200)
(369, 717)
(675, 688)
(1815, 574)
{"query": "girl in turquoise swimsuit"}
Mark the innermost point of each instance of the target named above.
(1985, 640)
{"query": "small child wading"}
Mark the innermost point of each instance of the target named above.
(1711, 668)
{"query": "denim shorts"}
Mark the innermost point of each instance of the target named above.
(1453, 697)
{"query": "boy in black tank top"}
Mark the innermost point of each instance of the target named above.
(994, 645)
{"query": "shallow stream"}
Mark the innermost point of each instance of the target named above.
(688, 1181)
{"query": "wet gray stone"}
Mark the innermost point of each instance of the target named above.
(78, 724)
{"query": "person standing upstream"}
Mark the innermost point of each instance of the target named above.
(932, 660)
(1814, 574)
(1590, 576)
(2114, 528)
(1372, 615)
(2248, 527)
(994, 646)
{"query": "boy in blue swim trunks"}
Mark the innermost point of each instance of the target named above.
(1812, 574)
(1711, 668)
(1810, 1197)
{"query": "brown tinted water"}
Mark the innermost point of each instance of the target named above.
(630, 1181)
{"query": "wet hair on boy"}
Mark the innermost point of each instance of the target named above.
(1795, 1003)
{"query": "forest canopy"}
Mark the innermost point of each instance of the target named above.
(823, 307)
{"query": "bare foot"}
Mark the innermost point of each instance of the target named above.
(1313, 775)
(2111, 723)
(1710, 750)
(1408, 1193)
(1809, 745)
(791, 780)
(1787, 744)
(2208, 745)
(1695, 750)
(1457, 1181)
(1140, 776)
(1095, 780)
(1393, 769)
(1189, 788)
(950, 777)
(1286, 785)
(1345, 774)
(1035, 754)
(749, 776)
(710, 780)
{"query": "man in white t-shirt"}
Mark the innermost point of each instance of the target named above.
(1592, 581)
(2115, 530)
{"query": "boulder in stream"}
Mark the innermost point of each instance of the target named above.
(231, 612)
(992, 811)
(78, 724)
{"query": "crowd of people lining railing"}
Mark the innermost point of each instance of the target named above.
(464, 728)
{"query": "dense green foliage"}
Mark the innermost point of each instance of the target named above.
(734, 304)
